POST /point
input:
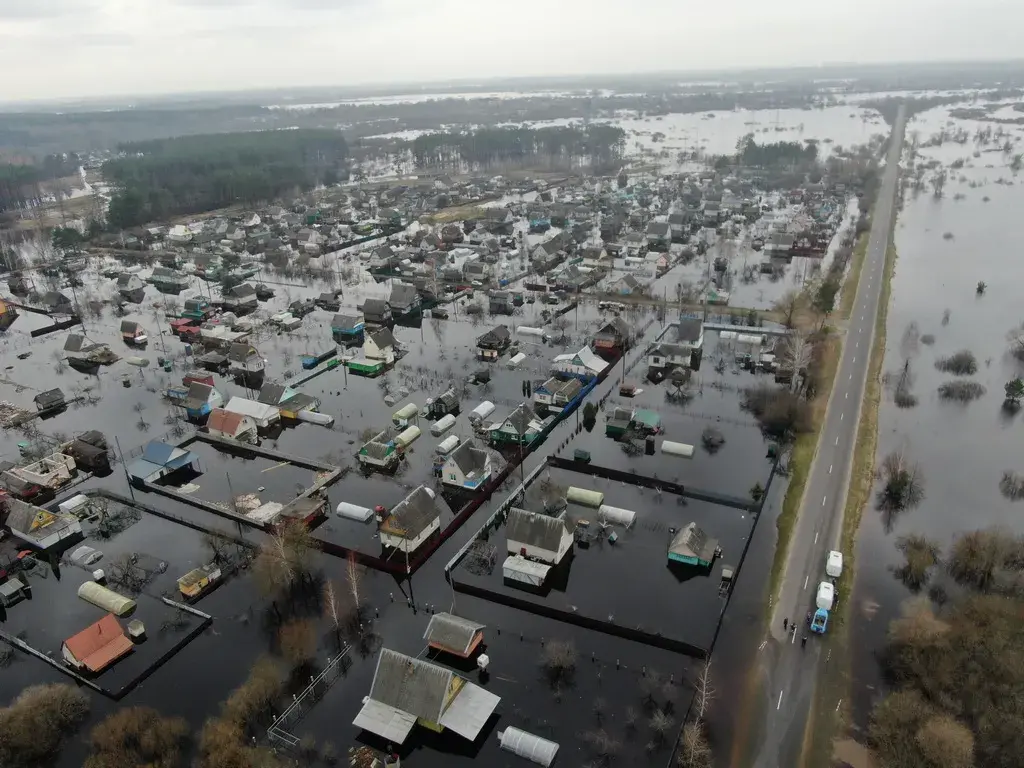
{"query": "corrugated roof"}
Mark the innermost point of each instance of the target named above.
(413, 514)
(535, 530)
(100, 645)
(451, 632)
(411, 685)
(225, 422)
(470, 711)
(387, 722)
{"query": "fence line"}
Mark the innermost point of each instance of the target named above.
(278, 732)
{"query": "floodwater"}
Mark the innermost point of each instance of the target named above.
(961, 449)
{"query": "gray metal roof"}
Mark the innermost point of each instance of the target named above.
(470, 711)
(535, 530)
(383, 338)
(411, 685)
(387, 722)
(692, 541)
(451, 632)
(414, 513)
(468, 458)
(239, 353)
(689, 329)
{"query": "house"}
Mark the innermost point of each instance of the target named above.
(500, 303)
(452, 233)
(491, 344)
(233, 426)
(555, 394)
(780, 245)
(198, 309)
(53, 471)
(288, 401)
(179, 234)
(444, 404)
(404, 299)
(39, 527)
(8, 314)
(535, 544)
(453, 634)
(160, 460)
(663, 357)
(595, 256)
(380, 345)
(584, 364)
(520, 427)
(264, 415)
(658, 234)
(656, 263)
(467, 467)
(537, 537)
(613, 338)
(201, 399)
(131, 288)
(50, 400)
(11, 591)
(89, 450)
(411, 521)
(347, 328)
(377, 312)
(169, 281)
(329, 301)
(498, 220)
(547, 255)
(380, 451)
(57, 303)
(627, 285)
(692, 546)
(240, 298)
(245, 361)
(678, 223)
(97, 646)
(407, 691)
(133, 334)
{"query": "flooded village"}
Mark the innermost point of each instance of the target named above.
(461, 457)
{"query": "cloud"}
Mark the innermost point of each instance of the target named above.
(42, 9)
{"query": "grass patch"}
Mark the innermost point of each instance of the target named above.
(824, 721)
(847, 297)
(457, 213)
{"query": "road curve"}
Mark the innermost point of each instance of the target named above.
(791, 670)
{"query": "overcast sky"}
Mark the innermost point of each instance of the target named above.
(72, 48)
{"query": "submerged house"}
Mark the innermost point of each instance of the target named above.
(288, 401)
(491, 344)
(535, 544)
(97, 646)
(39, 527)
(133, 334)
(262, 414)
(405, 300)
(521, 427)
(159, 461)
(168, 281)
(50, 400)
(84, 355)
(240, 299)
(201, 399)
(231, 425)
(53, 471)
(407, 691)
(245, 361)
(453, 634)
(691, 546)
(555, 394)
(584, 364)
(467, 467)
(131, 288)
(347, 329)
(685, 352)
(376, 312)
(378, 353)
(613, 339)
(411, 521)
(380, 451)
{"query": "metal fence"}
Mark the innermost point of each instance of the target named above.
(280, 732)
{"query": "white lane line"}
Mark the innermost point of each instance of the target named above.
(815, 537)
(847, 395)
(793, 640)
(841, 416)
(855, 358)
(806, 579)
(780, 702)
(851, 377)
(830, 469)
(837, 441)
(823, 500)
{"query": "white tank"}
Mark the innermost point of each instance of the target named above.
(677, 449)
(585, 497)
(616, 515)
(526, 745)
(442, 425)
(354, 512)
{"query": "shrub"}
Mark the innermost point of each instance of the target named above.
(137, 736)
(34, 725)
(920, 556)
(961, 363)
(961, 391)
(559, 660)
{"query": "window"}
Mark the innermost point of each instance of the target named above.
(451, 476)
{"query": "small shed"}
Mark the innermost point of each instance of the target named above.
(49, 400)
(11, 591)
(454, 634)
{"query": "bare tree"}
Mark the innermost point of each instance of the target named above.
(354, 575)
(298, 641)
(331, 605)
(137, 736)
(660, 724)
(787, 306)
(695, 751)
(797, 355)
(34, 725)
(559, 660)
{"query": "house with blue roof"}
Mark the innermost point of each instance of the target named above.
(160, 460)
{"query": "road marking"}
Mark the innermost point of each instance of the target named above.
(780, 702)
(851, 377)
(841, 416)
(855, 358)
(823, 500)
(762, 645)
(830, 469)
(806, 579)
(847, 395)
(815, 537)
(837, 441)
(793, 640)
(837, 704)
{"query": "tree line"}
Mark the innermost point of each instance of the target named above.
(768, 155)
(599, 146)
(190, 174)
(21, 183)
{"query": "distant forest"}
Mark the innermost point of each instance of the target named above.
(170, 177)
(21, 185)
(754, 155)
(598, 146)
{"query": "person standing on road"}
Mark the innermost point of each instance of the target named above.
(785, 624)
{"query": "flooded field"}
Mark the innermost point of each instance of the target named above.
(946, 246)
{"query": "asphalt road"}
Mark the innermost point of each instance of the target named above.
(790, 669)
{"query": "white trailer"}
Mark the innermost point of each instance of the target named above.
(677, 449)
(481, 412)
(515, 360)
(442, 425)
